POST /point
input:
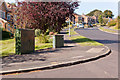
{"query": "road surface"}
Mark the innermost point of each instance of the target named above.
(106, 67)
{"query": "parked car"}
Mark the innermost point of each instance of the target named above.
(81, 26)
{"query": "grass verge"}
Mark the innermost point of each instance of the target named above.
(72, 32)
(114, 28)
(107, 30)
(7, 47)
(83, 40)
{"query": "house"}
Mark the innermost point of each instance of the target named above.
(77, 18)
(3, 13)
(84, 19)
(5, 17)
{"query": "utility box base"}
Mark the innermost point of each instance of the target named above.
(58, 41)
(25, 41)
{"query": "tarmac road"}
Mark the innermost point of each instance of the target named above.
(106, 67)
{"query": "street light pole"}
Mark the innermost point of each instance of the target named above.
(69, 26)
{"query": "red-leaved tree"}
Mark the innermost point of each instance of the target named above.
(43, 15)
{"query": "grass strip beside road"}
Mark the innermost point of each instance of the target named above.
(83, 40)
(8, 46)
(72, 32)
(107, 30)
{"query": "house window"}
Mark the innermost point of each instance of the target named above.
(8, 17)
(79, 18)
(2, 14)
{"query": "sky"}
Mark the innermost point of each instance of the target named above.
(88, 5)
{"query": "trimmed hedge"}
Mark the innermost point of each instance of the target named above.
(5, 34)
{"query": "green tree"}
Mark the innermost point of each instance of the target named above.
(108, 14)
(97, 13)
(118, 17)
(92, 12)
(105, 21)
(100, 19)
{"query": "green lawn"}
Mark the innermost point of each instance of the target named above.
(83, 40)
(72, 32)
(115, 28)
(107, 30)
(8, 46)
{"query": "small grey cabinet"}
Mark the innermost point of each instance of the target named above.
(58, 41)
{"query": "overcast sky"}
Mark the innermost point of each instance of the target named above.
(88, 5)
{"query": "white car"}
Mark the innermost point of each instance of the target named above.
(81, 26)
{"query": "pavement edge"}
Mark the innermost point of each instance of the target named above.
(63, 64)
(58, 65)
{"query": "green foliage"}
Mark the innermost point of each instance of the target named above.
(118, 17)
(43, 46)
(18, 41)
(100, 19)
(107, 30)
(44, 38)
(37, 32)
(118, 23)
(84, 41)
(105, 21)
(72, 32)
(97, 13)
(108, 13)
(92, 12)
(112, 23)
(8, 46)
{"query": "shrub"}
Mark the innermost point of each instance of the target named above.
(112, 23)
(117, 25)
(44, 38)
(5, 34)
(105, 21)
(102, 24)
(37, 32)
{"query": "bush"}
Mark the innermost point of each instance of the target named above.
(112, 23)
(37, 32)
(44, 38)
(5, 34)
(105, 21)
(102, 24)
(117, 25)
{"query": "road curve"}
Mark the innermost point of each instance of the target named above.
(106, 67)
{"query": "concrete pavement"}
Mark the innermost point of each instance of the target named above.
(105, 68)
(71, 54)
